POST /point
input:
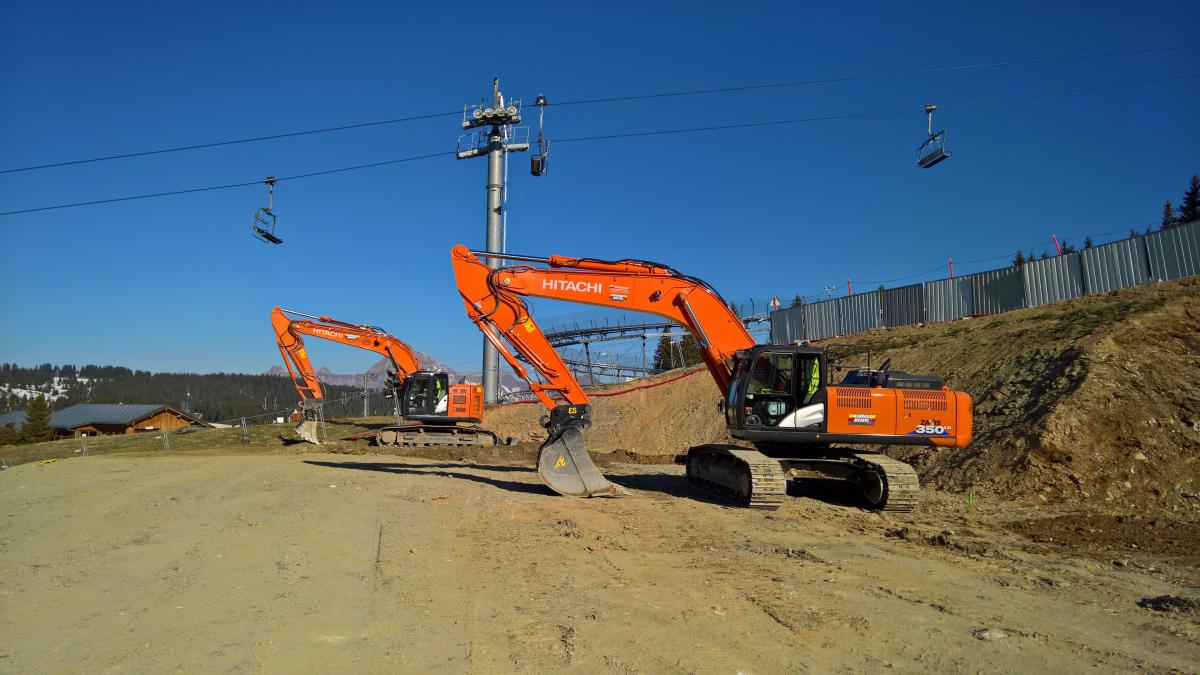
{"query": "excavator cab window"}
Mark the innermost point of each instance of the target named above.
(426, 394)
(810, 379)
(770, 388)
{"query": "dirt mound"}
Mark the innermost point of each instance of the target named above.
(1093, 400)
(645, 422)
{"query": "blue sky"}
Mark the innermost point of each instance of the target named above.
(178, 284)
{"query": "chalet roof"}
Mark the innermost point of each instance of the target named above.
(83, 414)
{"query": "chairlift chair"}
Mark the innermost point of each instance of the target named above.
(538, 163)
(263, 225)
(933, 151)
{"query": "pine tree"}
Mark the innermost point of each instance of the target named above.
(1133, 234)
(662, 354)
(1067, 248)
(1088, 243)
(1168, 216)
(797, 300)
(1189, 208)
(1045, 254)
(9, 435)
(36, 427)
(1019, 259)
(691, 350)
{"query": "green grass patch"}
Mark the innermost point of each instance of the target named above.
(261, 438)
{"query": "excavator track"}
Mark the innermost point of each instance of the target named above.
(422, 435)
(743, 476)
(888, 484)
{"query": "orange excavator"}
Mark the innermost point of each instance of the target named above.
(779, 399)
(431, 410)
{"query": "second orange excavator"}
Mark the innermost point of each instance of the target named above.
(779, 398)
(431, 411)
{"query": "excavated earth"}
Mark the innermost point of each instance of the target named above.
(1064, 539)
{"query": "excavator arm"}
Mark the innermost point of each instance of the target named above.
(493, 299)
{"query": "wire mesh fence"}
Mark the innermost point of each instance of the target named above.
(366, 403)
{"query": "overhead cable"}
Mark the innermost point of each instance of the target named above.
(615, 99)
(637, 134)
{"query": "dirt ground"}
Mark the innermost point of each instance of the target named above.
(372, 563)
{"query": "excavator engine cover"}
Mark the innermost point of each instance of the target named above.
(563, 461)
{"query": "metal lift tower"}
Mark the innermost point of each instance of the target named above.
(502, 135)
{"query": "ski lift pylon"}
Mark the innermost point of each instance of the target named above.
(933, 150)
(538, 162)
(263, 225)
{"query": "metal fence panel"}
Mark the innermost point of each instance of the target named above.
(821, 320)
(1052, 279)
(787, 325)
(1117, 265)
(996, 291)
(948, 299)
(903, 306)
(1175, 252)
(859, 313)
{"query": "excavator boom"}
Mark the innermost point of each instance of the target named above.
(635, 285)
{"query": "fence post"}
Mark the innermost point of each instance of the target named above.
(321, 413)
(84, 448)
(166, 439)
(245, 437)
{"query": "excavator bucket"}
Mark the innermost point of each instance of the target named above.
(308, 431)
(566, 468)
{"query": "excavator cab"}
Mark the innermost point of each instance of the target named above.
(777, 387)
(426, 394)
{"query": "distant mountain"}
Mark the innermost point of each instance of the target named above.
(377, 375)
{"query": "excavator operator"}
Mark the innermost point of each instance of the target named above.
(812, 379)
